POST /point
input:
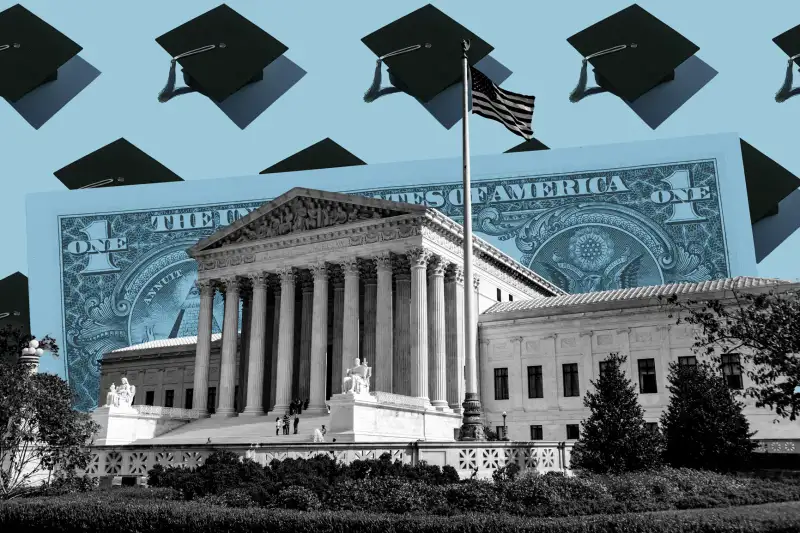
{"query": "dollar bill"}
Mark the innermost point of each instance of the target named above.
(126, 277)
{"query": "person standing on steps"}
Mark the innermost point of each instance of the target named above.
(278, 426)
(286, 424)
(296, 423)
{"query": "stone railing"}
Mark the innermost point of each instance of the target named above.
(398, 399)
(167, 412)
(479, 459)
(778, 446)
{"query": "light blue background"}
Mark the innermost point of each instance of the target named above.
(193, 138)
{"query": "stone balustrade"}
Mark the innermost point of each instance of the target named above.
(468, 458)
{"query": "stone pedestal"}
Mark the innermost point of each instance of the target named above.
(362, 418)
(123, 425)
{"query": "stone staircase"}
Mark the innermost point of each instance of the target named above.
(239, 430)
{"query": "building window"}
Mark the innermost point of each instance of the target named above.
(536, 433)
(689, 360)
(501, 384)
(571, 386)
(212, 400)
(499, 295)
(535, 389)
(149, 397)
(732, 370)
(169, 398)
(652, 427)
(647, 376)
(603, 367)
(573, 433)
(501, 432)
(510, 297)
(189, 399)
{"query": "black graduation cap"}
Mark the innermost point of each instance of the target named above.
(789, 42)
(631, 52)
(324, 154)
(31, 52)
(767, 182)
(14, 308)
(531, 145)
(220, 52)
(116, 164)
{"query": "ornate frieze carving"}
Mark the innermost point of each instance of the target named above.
(303, 214)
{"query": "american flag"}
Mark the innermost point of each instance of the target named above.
(512, 110)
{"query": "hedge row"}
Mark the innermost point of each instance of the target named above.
(58, 515)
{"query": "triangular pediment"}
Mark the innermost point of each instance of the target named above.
(301, 210)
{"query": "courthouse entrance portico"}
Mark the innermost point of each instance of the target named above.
(360, 277)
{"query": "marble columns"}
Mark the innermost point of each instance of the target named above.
(437, 367)
(258, 327)
(418, 258)
(454, 326)
(383, 325)
(306, 312)
(337, 358)
(283, 394)
(350, 326)
(368, 274)
(401, 368)
(230, 338)
(203, 354)
(319, 340)
(276, 328)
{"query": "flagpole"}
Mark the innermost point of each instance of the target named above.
(472, 425)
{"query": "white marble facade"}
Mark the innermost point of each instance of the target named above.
(325, 278)
(582, 330)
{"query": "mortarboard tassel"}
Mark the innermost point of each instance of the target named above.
(169, 91)
(580, 91)
(786, 91)
(375, 90)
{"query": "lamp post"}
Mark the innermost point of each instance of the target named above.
(30, 355)
(505, 428)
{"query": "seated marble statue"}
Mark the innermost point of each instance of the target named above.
(111, 397)
(125, 394)
(357, 380)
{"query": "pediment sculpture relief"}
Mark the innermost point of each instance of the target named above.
(303, 214)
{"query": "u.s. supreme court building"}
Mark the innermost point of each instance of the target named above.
(324, 278)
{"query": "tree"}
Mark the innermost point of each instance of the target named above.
(703, 425)
(40, 434)
(615, 437)
(762, 329)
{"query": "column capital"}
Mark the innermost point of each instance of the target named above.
(349, 267)
(383, 261)
(436, 266)
(230, 283)
(368, 271)
(454, 273)
(306, 280)
(207, 287)
(287, 274)
(401, 266)
(319, 271)
(418, 257)
(258, 280)
(335, 276)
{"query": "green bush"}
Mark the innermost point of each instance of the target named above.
(59, 515)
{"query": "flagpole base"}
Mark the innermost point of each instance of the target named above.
(472, 424)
